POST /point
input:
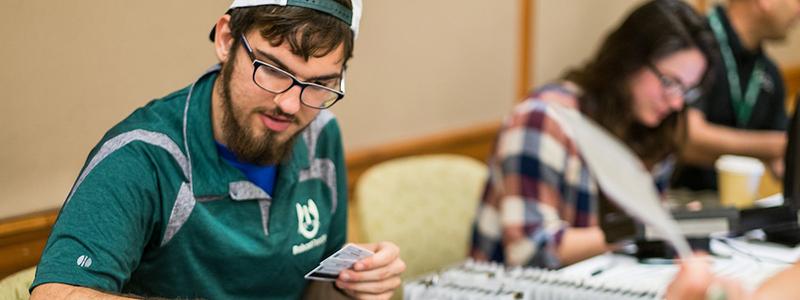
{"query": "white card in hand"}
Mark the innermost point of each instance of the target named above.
(351, 252)
(329, 269)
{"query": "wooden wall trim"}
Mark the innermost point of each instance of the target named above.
(473, 141)
(701, 6)
(525, 52)
(791, 78)
(22, 240)
(27, 223)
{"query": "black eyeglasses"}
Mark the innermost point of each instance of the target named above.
(674, 87)
(274, 80)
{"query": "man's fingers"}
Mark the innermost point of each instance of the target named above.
(395, 268)
(375, 277)
(385, 253)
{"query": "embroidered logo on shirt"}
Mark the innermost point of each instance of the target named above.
(84, 261)
(307, 219)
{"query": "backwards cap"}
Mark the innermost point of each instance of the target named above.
(330, 7)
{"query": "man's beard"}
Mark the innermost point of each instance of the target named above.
(241, 140)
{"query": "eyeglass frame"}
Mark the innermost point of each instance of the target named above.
(295, 82)
(689, 94)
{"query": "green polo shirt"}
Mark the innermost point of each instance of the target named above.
(157, 212)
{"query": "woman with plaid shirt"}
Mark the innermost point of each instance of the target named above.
(540, 205)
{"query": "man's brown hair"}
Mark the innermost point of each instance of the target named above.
(310, 33)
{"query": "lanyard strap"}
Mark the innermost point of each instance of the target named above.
(743, 108)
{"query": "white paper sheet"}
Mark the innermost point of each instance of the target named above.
(622, 176)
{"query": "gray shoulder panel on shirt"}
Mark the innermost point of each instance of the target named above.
(119, 141)
(184, 202)
(324, 169)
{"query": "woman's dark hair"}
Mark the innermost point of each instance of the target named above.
(310, 33)
(651, 32)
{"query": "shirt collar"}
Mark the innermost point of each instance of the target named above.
(210, 174)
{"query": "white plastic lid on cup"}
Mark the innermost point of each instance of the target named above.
(739, 164)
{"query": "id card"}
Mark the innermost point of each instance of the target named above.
(329, 268)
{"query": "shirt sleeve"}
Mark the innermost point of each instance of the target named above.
(103, 227)
(538, 187)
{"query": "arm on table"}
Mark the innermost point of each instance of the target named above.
(783, 285)
(707, 141)
(695, 281)
(59, 291)
(578, 244)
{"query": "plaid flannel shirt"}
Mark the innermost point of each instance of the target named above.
(538, 185)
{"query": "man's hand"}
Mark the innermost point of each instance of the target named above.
(695, 281)
(692, 281)
(375, 277)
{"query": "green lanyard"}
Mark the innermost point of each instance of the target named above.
(742, 107)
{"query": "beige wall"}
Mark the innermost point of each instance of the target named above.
(74, 68)
(567, 32)
(425, 66)
(787, 52)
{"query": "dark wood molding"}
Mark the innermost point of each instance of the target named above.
(524, 49)
(701, 6)
(791, 78)
(474, 141)
(22, 240)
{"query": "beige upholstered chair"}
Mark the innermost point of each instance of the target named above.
(425, 204)
(15, 286)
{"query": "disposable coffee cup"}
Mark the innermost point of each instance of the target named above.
(737, 180)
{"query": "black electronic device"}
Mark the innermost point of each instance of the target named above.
(616, 225)
(697, 227)
(791, 177)
(646, 249)
(780, 223)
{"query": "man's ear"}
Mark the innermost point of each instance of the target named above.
(223, 38)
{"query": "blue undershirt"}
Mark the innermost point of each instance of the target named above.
(262, 176)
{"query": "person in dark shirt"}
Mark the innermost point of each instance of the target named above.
(744, 112)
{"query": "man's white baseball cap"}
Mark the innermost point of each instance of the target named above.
(330, 7)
